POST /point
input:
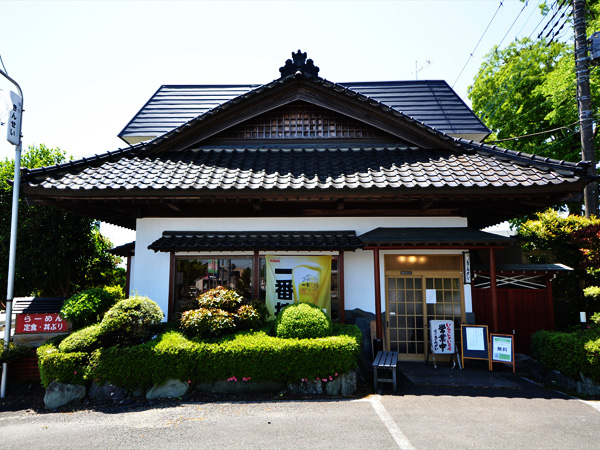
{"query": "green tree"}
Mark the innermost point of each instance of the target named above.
(58, 252)
(528, 90)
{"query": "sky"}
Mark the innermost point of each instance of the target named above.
(87, 67)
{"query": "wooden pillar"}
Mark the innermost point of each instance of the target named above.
(256, 276)
(172, 270)
(378, 320)
(340, 269)
(494, 290)
(550, 322)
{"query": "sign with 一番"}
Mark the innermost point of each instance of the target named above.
(298, 279)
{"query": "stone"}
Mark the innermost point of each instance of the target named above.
(61, 394)
(562, 381)
(348, 383)
(106, 393)
(169, 389)
(333, 387)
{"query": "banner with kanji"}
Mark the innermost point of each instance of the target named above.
(298, 279)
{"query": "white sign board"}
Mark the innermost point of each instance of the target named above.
(441, 333)
(13, 128)
(502, 348)
(475, 339)
(431, 296)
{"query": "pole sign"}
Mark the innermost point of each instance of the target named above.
(13, 129)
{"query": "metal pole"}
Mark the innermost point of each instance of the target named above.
(584, 100)
(13, 246)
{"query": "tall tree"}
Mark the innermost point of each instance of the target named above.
(58, 252)
(528, 91)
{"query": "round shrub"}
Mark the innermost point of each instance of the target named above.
(207, 322)
(88, 307)
(84, 340)
(131, 321)
(302, 321)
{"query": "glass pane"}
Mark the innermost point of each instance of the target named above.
(438, 283)
(392, 283)
(447, 283)
(418, 283)
(428, 283)
(409, 283)
(400, 282)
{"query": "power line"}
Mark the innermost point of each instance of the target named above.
(478, 42)
(566, 127)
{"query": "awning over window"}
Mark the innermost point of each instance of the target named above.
(431, 237)
(213, 241)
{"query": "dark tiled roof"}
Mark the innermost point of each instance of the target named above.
(264, 240)
(309, 168)
(431, 102)
(431, 236)
(37, 305)
(124, 250)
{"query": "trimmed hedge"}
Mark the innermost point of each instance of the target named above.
(571, 354)
(302, 321)
(254, 355)
(88, 307)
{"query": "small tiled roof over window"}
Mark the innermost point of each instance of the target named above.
(410, 237)
(213, 241)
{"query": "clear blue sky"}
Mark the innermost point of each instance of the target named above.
(86, 67)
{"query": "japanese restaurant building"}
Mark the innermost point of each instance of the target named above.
(366, 196)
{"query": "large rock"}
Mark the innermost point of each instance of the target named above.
(333, 387)
(106, 393)
(61, 394)
(169, 389)
(348, 383)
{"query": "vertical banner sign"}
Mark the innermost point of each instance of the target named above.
(442, 336)
(298, 279)
(13, 130)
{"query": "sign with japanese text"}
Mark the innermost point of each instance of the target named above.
(502, 348)
(298, 279)
(441, 333)
(13, 129)
(41, 323)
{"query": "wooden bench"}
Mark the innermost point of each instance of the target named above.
(387, 361)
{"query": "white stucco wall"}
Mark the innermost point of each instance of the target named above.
(150, 275)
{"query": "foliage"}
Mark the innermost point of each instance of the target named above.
(83, 340)
(592, 294)
(171, 355)
(58, 252)
(221, 311)
(13, 352)
(596, 318)
(62, 367)
(571, 354)
(131, 321)
(88, 307)
(302, 321)
(548, 238)
(587, 241)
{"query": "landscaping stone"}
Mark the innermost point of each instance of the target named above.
(169, 389)
(333, 387)
(561, 381)
(348, 383)
(240, 387)
(61, 394)
(106, 393)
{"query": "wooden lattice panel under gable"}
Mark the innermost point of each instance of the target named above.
(301, 120)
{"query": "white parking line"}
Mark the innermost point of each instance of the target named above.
(594, 404)
(388, 421)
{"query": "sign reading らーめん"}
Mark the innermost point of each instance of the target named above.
(40, 323)
(298, 279)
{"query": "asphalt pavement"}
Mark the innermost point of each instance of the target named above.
(522, 415)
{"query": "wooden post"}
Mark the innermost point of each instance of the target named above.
(340, 268)
(550, 322)
(378, 320)
(256, 276)
(494, 289)
(172, 270)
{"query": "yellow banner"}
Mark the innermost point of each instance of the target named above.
(298, 279)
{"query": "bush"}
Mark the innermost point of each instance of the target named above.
(13, 352)
(62, 367)
(571, 354)
(131, 321)
(222, 311)
(88, 307)
(302, 321)
(254, 355)
(84, 340)
(207, 322)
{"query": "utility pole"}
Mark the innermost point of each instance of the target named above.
(584, 101)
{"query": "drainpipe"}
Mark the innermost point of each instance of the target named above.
(494, 290)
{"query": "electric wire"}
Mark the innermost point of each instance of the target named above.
(3, 68)
(478, 42)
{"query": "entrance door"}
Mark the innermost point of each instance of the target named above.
(414, 300)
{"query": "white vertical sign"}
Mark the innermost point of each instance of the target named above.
(13, 129)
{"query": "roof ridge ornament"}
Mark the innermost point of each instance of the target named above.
(299, 63)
